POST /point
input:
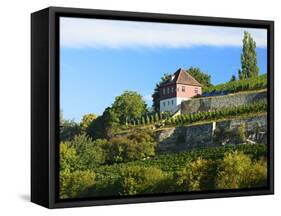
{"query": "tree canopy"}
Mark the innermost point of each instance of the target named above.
(129, 105)
(202, 77)
(86, 121)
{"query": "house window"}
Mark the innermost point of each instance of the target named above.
(196, 90)
(164, 104)
(178, 89)
(168, 90)
(164, 91)
(168, 103)
(183, 88)
(172, 102)
(172, 89)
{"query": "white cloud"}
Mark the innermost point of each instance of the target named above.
(95, 33)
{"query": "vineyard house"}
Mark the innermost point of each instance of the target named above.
(180, 86)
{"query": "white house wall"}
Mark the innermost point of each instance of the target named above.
(171, 104)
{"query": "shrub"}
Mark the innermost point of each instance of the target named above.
(73, 184)
(147, 120)
(241, 132)
(156, 117)
(232, 170)
(192, 177)
(90, 153)
(139, 180)
(142, 121)
(139, 144)
(257, 175)
(236, 170)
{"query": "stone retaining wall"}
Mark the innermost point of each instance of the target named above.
(218, 102)
(206, 135)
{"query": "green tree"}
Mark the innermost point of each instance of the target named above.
(248, 58)
(156, 94)
(68, 129)
(86, 121)
(102, 126)
(90, 153)
(233, 78)
(129, 105)
(73, 181)
(69, 160)
(202, 77)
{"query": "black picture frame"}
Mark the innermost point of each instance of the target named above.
(45, 104)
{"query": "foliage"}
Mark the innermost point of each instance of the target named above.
(248, 58)
(176, 162)
(90, 153)
(257, 175)
(233, 78)
(255, 83)
(184, 171)
(203, 78)
(86, 121)
(257, 107)
(237, 170)
(103, 125)
(69, 160)
(129, 105)
(139, 180)
(68, 129)
(73, 184)
(191, 177)
(156, 93)
(139, 144)
(241, 131)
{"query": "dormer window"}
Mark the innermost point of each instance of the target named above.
(164, 91)
(168, 90)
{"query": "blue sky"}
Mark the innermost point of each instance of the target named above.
(101, 59)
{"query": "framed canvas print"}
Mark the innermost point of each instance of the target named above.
(138, 107)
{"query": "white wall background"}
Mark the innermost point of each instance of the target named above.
(15, 106)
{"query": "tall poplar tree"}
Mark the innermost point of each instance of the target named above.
(248, 58)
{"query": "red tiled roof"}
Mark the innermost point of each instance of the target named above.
(181, 77)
